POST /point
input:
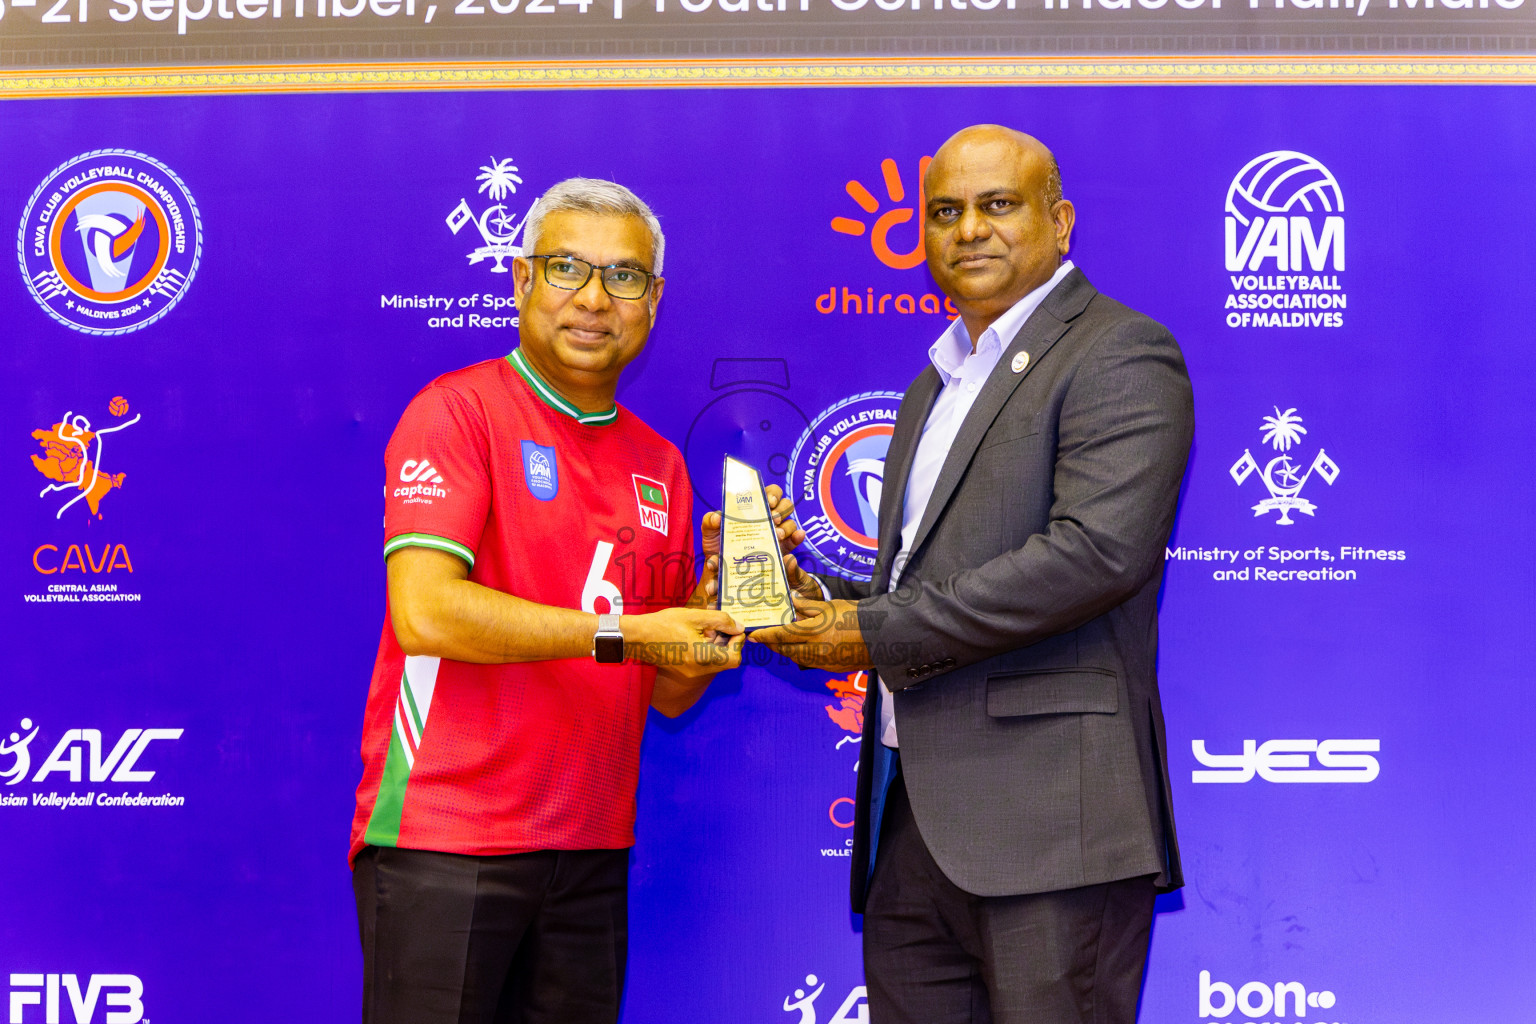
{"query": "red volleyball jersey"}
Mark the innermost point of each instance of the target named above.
(560, 507)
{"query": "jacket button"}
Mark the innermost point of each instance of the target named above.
(911, 673)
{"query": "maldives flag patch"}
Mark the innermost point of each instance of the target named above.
(651, 498)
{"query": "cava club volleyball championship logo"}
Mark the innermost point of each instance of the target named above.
(109, 242)
(836, 474)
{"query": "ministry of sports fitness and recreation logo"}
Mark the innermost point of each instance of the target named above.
(1284, 234)
(109, 242)
(835, 477)
(498, 225)
(1282, 476)
(73, 457)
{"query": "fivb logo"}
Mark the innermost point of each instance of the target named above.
(1291, 761)
(1290, 209)
(119, 996)
(1285, 243)
(1257, 1001)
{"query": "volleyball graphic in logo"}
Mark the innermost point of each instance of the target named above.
(1283, 182)
(109, 242)
(836, 478)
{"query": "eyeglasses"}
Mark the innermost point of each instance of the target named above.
(572, 274)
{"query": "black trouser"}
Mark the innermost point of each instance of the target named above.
(527, 938)
(935, 954)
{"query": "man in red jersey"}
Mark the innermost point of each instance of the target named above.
(539, 547)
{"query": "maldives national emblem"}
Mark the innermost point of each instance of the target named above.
(496, 224)
(1282, 475)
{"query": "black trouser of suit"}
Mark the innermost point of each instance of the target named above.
(527, 938)
(935, 954)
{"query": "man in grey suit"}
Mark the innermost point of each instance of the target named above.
(1014, 822)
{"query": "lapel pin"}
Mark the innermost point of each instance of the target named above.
(1020, 361)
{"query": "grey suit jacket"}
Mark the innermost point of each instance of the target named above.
(1021, 645)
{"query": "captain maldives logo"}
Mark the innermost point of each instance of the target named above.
(1284, 235)
(109, 242)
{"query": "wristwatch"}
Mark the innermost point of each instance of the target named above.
(608, 642)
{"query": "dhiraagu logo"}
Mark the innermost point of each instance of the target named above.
(889, 214)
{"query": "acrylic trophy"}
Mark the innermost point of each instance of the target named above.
(754, 588)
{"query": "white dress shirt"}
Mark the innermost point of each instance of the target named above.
(963, 369)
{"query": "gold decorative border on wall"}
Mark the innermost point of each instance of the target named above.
(779, 73)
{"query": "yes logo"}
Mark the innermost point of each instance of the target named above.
(880, 232)
(1291, 761)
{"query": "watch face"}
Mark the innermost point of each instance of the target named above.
(608, 648)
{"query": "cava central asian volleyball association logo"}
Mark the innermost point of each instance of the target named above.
(836, 476)
(109, 242)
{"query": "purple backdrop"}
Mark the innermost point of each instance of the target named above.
(1373, 870)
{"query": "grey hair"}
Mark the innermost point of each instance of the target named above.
(1052, 182)
(592, 195)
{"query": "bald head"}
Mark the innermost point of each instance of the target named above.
(1022, 143)
(994, 224)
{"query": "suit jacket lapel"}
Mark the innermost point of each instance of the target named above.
(1045, 325)
(898, 466)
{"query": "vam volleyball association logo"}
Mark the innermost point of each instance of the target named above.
(1284, 243)
(836, 474)
(109, 242)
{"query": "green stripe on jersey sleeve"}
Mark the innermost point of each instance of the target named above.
(427, 540)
